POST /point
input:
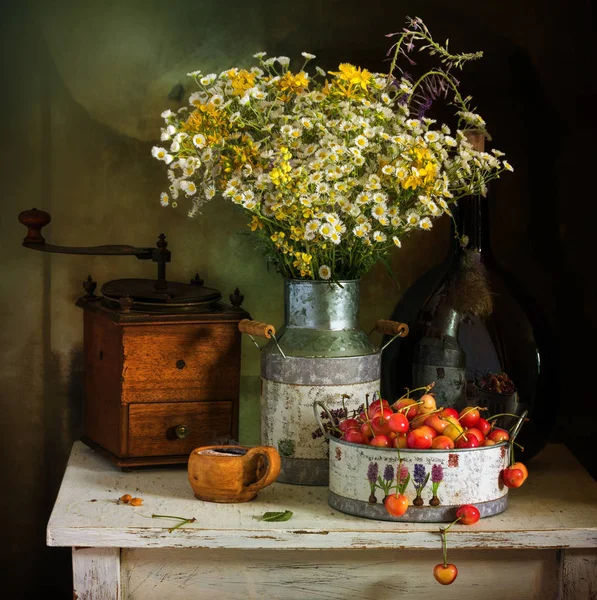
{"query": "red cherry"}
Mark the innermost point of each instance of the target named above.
(469, 416)
(469, 514)
(442, 442)
(448, 412)
(513, 478)
(354, 436)
(419, 438)
(474, 431)
(348, 424)
(399, 441)
(483, 426)
(471, 441)
(398, 423)
(366, 430)
(519, 465)
(375, 405)
(429, 430)
(499, 435)
(377, 412)
(381, 441)
(396, 504)
(411, 413)
(437, 423)
(445, 574)
(380, 426)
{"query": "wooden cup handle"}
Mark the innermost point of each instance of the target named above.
(256, 328)
(391, 328)
(273, 466)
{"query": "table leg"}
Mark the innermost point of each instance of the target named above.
(96, 574)
(579, 574)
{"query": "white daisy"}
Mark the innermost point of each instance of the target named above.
(199, 140)
(379, 236)
(412, 219)
(283, 60)
(361, 141)
(508, 166)
(259, 55)
(188, 187)
(432, 136)
(308, 57)
(164, 200)
(210, 192)
(387, 170)
(325, 272)
(397, 242)
(207, 79)
(425, 223)
(379, 210)
(326, 230)
(167, 114)
(363, 198)
(360, 231)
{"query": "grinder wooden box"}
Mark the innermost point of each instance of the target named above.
(156, 386)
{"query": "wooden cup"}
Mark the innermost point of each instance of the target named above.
(232, 473)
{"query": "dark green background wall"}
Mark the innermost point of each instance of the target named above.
(83, 85)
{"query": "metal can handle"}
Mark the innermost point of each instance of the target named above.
(391, 328)
(318, 417)
(518, 426)
(256, 328)
(265, 330)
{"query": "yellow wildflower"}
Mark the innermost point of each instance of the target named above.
(256, 223)
(353, 75)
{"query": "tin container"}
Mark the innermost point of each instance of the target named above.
(440, 481)
(321, 353)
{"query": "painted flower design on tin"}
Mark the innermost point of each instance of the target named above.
(437, 476)
(419, 479)
(372, 474)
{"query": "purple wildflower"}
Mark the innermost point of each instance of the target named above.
(388, 473)
(419, 475)
(437, 474)
(425, 106)
(372, 472)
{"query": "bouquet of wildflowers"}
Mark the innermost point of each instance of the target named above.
(332, 169)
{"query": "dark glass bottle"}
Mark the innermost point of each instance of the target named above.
(468, 318)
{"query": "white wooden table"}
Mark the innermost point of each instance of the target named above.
(544, 546)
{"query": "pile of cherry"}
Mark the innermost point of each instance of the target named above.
(421, 425)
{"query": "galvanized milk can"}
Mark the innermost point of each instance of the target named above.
(320, 353)
(440, 482)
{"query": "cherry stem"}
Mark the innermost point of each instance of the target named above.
(427, 388)
(503, 415)
(443, 531)
(183, 521)
(471, 409)
(445, 547)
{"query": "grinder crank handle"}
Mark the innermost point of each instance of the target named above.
(35, 220)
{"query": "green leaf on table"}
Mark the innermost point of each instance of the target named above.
(277, 516)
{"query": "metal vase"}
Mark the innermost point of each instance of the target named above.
(322, 354)
(438, 357)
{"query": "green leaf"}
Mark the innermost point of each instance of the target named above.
(277, 516)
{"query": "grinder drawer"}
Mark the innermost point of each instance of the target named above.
(170, 428)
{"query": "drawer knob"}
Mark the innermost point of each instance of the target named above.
(181, 364)
(181, 431)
